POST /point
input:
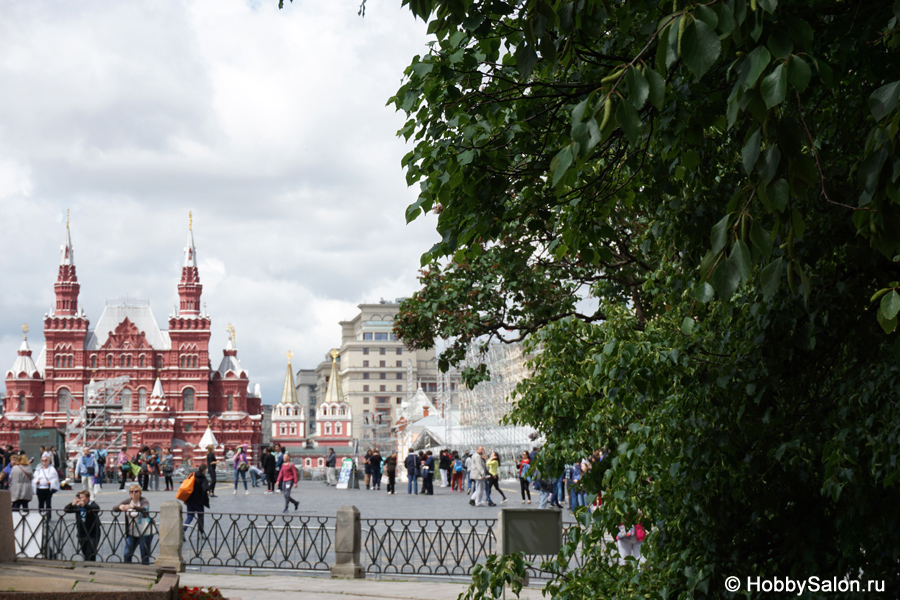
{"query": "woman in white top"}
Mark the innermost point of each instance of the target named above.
(45, 482)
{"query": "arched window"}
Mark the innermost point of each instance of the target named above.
(338, 429)
(320, 462)
(188, 396)
(128, 360)
(21, 406)
(182, 362)
(141, 361)
(308, 462)
(93, 361)
(327, 428)
(63, 398)
(122, 361)
(159, 362)
(109, 360)
(56, 361)
(126, 400)
(293, 429)
(194, 361)
(142, 399)
(230, 402)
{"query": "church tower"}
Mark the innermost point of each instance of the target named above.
(333, 415)
(189, 332)
(67, 286)
(288, 416)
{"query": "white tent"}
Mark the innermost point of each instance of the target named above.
(207, 439)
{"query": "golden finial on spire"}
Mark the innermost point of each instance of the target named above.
(67, 218)
(25, 331)
(231, 334)
(334, 354)
(290, 355)
(190, 221)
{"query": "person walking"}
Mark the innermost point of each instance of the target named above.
(198, 500)
(478, 474)
(211, 462)
(268, 467)
(45, 482)
(138, 525)
(87, 524)
(367, 467)
(288, 478)
(86, 468)
(390, 468)
(330, 468)
(493, 466)
(153, 470)
(412, 467)
(167, 466)
(524, 480)
(375, 466)
(20, 477)
(241, 466)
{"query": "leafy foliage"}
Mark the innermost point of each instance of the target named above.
(719, 183)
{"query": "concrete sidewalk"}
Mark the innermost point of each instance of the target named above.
(298, 587)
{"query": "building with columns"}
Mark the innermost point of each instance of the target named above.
(148, 386)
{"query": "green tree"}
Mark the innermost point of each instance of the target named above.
(689, 212)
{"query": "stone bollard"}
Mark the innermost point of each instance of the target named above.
(347, 545)
(7, 540)
(170, 537)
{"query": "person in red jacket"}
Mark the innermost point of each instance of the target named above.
(288, 478)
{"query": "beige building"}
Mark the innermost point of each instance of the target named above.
(379, 374)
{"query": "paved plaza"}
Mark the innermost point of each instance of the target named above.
(318, 499)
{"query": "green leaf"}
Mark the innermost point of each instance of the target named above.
(799, 73)
(797, 222)
(780, 43)
(888, 325)
(628, 119)
(779, 192)
(719, 234)
(707, 15)
(774, 86)
(687, 326)
(884, 100)
(769, 165)
(753, 66)
(726, 279)
(562, 161)
(740, 259)
(704, 293)
(768, 5)
(750, 152)
(657, 85)
(700, 47)
(761, 240)
(638, 87)
(771, 278)
(890, 304)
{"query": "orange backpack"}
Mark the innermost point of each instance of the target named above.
(186, 489)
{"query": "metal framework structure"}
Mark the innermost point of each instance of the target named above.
(97, 423)
(482, 408)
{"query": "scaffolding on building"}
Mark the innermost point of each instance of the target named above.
(377, 432)
(482, 408)
(97, 422)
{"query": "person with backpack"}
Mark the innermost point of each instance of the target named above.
(412, 472)
(288, 478)
(197, 500)
(390, 467)
(457, 473)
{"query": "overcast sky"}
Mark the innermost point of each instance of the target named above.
(269, 125)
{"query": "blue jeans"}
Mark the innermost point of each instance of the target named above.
(412, 487)
(131, 543)
(243, 477)
(576, 499)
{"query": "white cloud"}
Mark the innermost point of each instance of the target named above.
(269, 125)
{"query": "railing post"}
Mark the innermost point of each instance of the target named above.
(7, 539)
(171, 537)
(347, 545)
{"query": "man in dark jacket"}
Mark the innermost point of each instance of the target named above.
(268, 467)
(428, 474)
(412, 469)
(198, 500)
(87, 524)
(330, 465)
